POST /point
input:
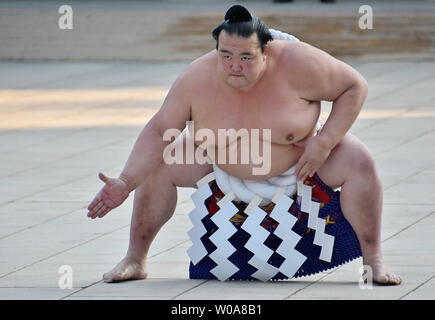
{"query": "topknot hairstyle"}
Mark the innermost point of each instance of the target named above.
(237, 13)
(238, 20)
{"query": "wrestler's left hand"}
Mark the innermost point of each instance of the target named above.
(315, 154)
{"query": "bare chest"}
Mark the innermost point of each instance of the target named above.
(285, 116)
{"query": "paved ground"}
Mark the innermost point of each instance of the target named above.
(63, 122)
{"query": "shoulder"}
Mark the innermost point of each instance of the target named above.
(305, 66)
(314, 73)
(197, 70)
(298, 56)
(196, 74)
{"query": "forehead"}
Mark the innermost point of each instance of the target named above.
(235, 42)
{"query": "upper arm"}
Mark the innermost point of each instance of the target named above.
(318, 75)
(176, 108)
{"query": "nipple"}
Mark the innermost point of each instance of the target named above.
(290, 137)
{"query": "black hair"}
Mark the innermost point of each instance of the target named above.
(239, 21)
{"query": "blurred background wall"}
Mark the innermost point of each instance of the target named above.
(179, 30)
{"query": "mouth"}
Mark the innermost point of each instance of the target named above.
(237, 75)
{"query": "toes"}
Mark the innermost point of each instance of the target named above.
(112, 277)
(392, 279)
(116, 275)
(120, 276)
(388, 279)
(107, 278)
(396, 280)
(124, 271)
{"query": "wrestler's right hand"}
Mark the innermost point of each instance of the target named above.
(112, 195)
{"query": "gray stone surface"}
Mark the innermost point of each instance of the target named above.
(58, 136)
(63, 122)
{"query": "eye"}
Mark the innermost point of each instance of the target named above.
(228, 58)
(246, 59)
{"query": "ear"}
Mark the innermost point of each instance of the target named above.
(266, 52)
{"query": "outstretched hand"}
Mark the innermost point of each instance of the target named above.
(112, 195)
(315, 154)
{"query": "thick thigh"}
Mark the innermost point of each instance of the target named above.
(184, 175)
(348, 158)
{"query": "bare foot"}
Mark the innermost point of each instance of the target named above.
(381, 274)
(126, 269)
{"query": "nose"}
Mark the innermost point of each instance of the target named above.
(235, 67)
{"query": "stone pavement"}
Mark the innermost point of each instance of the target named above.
(61, 123)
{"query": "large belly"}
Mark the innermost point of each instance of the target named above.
(282, 157)
(256, 164)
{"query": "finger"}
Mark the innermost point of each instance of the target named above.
(94, 202)
(103, 177)
(102, 209)
(95, 215)
(98, 206)
(299, 166)
(303, 172)
(105, 212)
(96, 209)
(313, 171)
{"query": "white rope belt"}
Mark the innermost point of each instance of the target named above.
(245, 190)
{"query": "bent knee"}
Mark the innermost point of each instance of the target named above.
(359, 160)
(349, 158)
(362, 161)
(181, 175)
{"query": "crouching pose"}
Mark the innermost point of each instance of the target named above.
(261, 81)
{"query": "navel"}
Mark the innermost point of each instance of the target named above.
(290, 137)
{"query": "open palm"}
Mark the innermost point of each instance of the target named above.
(112, 195)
